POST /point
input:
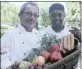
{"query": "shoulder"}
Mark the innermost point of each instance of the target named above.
(17, 29)
(66, 29)
(10, 32)
(13, 30)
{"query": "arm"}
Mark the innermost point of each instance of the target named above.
(6, 43)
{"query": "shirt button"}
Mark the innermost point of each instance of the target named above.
(37, 42)
(20, 33)
(24, 53)
(22, 42)
(10, 59)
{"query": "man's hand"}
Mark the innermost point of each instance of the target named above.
(67, 43)
(76, 32)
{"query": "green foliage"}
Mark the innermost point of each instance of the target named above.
(9, 16)
(49, 39)
(44, 18)
(73, 14)
(9, 12)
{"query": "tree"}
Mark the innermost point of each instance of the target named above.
(73, 15)
(9, 13)
(9, 16)
(45, 21)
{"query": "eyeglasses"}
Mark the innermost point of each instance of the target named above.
(29, 14)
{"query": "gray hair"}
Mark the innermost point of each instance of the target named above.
(24, 5)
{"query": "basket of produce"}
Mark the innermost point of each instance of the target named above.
(67, 62)
(50, 56)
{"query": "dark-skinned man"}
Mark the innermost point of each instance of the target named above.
(57, 15)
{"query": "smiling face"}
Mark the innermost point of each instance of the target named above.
(29, 17)
(57, 18)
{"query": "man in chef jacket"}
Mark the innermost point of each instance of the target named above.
(17, 43)
(57, 15)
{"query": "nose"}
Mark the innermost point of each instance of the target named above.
(57, 17)
(32, 17)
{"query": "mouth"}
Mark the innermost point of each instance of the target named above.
(57, 22)
(30, 22)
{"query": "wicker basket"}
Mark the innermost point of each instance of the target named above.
(67, 62)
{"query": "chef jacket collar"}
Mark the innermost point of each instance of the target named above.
(22, 29)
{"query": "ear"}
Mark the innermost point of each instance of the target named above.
(19, 14)
(64, 15)
(49, 16)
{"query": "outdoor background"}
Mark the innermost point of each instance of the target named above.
(10, 10)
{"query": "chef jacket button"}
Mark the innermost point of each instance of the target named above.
(22, 42)
(24, 53)
(37, 42)
(20, 33)
(10, 59)
(35, 33)
(6, 52)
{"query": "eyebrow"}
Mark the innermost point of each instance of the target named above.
(31, 12)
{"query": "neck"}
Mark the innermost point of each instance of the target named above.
(28, 29)
(57, 29)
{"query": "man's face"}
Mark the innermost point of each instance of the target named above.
(57, 17)
(29, 16)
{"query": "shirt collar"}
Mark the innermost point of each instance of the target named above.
(49, 28)
(22, 29)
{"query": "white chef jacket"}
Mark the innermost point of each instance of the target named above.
(61, 34)
(16, 45)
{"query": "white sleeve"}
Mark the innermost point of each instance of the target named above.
(6, 45)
